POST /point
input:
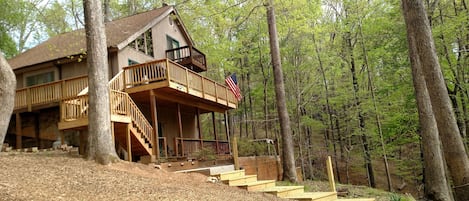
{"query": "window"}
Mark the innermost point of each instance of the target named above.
(132, 62)
(173, 44)
(143, 43)
(40, 78)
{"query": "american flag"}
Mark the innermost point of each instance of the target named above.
(232, 83)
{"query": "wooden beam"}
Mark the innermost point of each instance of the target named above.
(199, 129)
(180, 128)
(154, 118)
(330, 174)
(235, 153)
(227, 130)
(19, 132)
(215, 131)
(129, 144)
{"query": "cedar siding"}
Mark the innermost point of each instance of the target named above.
(154, 99)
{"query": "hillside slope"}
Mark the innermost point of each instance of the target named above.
(55, 175)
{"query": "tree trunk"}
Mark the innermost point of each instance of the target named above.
(453, 147)
(361, 118)
(107, 11)
(375, 106)
(289, 170)
(101, 146)
(7, 97)
(434, 170)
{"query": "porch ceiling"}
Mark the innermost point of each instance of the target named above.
(169, 97)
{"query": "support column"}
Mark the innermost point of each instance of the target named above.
(180, 128)
(129, 144)
(215, 131)
(154, 118)
(199, 129)
(227, 130)
(19, 132)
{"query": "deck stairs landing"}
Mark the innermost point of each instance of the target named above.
(238, 178)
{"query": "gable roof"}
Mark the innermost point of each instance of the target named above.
(118, 34)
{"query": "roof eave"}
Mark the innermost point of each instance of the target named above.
(145, 28)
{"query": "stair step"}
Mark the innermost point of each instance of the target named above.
(241, 180)
(356, 199)
(284, 191)
(257, 185)
(314, 196)
(228, 175)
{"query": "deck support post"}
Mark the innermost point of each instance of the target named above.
(199, 129)
(19, 132)
(227, 130)
(154, 118)
(180, 129)
(215, 132)
(129, 144)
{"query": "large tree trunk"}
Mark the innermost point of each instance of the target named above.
(100, 143)
(456, 158)
(107, 11)
(375, 107)
(436, 187)
(7, 96)
(289, 170)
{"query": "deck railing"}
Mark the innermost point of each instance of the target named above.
(50, 92)
(121, 104)
(145, 73)
(188, 81)
(188, 146)
(187, 55)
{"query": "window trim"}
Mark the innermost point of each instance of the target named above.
(26, 75)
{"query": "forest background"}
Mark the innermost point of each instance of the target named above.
(345, 62)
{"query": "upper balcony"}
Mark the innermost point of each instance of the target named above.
(188, 56)
(173, 82)
(169, 79)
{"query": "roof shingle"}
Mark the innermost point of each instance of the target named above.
(74, 42)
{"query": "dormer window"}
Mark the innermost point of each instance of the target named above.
(144, 43)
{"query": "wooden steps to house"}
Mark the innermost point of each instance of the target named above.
(250, 183)
(284, 191)
(257, 185)
(316, 196)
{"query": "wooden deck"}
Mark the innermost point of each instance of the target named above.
(168, 80)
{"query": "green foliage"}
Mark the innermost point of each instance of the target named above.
(397, 197)
(247, 147)
(206, 154)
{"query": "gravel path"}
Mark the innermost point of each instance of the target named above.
(56, 175)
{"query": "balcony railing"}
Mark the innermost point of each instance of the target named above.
(49, 92)
(76, 108)
(191, 146)
(181, 78)
(188, 56)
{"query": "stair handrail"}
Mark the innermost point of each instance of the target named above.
(136, 116)
(117, 82)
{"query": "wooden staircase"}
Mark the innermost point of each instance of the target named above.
(250, 183)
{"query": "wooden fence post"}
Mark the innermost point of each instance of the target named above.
(330, 174)
(235, 153)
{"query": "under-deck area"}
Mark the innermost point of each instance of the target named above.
(156, 110)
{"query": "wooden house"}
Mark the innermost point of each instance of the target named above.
(157, 91)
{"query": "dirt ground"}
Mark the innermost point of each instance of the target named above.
(55, 175)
